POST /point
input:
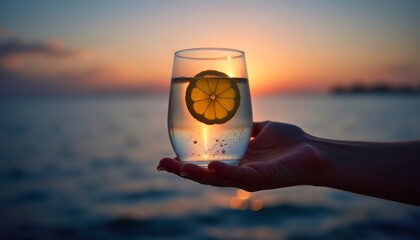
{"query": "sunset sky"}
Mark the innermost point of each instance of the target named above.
(64, 47)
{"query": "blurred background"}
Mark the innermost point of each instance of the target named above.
(83, 102)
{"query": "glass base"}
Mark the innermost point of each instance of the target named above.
(205, 163)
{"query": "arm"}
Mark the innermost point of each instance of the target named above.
(384, 170)
(282, 155)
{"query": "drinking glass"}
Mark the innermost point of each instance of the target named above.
(210, 113)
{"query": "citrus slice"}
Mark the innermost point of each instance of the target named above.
(212, 97)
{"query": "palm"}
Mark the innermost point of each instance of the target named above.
(277, 157)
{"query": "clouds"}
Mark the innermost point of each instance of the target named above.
(52, 68)
(30, 67)
(16, 47)
(14, 51)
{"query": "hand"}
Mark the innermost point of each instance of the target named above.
(279, 155)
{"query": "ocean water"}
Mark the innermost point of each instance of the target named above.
(85, 168)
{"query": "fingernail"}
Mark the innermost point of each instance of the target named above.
(184, 174)
(162, 169)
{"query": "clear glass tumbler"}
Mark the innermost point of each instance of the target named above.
(210, 113)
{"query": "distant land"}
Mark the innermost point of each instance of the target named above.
(375, 89)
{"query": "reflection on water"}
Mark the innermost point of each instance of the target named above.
(85, 169)
(243, 201)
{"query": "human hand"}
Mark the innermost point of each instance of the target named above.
(279, 155)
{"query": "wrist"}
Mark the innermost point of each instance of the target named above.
(322, 169)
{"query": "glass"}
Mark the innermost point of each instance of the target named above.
(210, 114)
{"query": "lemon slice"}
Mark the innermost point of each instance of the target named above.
(212, 97)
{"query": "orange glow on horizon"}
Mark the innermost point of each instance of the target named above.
(289, 47)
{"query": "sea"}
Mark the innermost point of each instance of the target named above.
(85, 168)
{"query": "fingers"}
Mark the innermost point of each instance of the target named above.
(205, 176)
(217, 174)
(242, 175)
(172, 165)
(194, 173)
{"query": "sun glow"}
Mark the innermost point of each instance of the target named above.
(289, 47)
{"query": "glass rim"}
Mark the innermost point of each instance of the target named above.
(236, 53)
